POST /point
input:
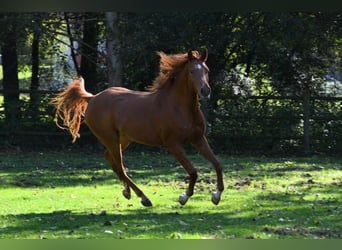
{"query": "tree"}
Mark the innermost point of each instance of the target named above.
(114, 67)
(10, 69)
(35, 62)
(303, 47)
(89, 50)
(71, 41)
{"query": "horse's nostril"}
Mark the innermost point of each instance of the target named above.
(205, 91)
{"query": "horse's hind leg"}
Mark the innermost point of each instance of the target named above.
(115, 156)
(126, 191)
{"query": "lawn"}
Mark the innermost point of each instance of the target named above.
(49, 195)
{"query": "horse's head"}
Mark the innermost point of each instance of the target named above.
(198, 71)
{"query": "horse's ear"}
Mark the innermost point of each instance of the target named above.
(190, 55)
(204, 56)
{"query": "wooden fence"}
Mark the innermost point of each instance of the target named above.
(228, 133)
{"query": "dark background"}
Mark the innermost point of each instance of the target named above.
(276, 76)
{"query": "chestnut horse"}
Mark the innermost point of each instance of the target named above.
(167, 115)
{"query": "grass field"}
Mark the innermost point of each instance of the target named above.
(75, 195)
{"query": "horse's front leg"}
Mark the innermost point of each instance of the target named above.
(205, 150)
(180, 155)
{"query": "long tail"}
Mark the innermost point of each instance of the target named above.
(70, 107)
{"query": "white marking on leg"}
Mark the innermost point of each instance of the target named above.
(216, 197)
(183, 198)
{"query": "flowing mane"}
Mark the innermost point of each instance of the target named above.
(170, 66)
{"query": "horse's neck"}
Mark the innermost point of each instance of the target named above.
(184, 96)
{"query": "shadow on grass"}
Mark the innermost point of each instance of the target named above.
(61, 170)
(285, 214)
(132, 224)
(179, 222)
(78, 168)
(296, 215)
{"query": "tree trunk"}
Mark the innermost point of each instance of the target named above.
(306, 118)
(10, 78)
(34, 98)
(71, 41)
(89, 51)
(114, 66)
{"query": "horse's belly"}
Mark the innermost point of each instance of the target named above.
(150, 138)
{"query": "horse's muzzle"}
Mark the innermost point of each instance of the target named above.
(205, 91)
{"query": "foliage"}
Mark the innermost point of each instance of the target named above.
(257, 126)
(51, 195)
(285, 54)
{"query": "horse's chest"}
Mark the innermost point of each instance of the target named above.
(181, 125)
(192, 128)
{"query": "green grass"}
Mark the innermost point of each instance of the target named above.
(76, 195)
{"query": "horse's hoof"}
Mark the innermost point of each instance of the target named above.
(216, 197)
(146, 202)
(183, 198)
(126, 193)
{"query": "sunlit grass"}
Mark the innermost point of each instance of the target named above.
(76, 195)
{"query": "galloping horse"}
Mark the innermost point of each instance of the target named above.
(167, 115)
